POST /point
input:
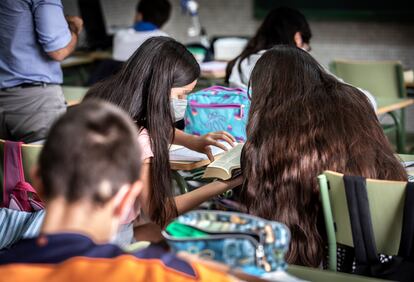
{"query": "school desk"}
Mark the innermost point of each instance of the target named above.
(313, 274)
(74, 94)
(386, 105)
(396, 106)
(84, 58)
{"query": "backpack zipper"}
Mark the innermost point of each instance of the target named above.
(223, 106)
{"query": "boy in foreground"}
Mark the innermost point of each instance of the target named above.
(88, 175)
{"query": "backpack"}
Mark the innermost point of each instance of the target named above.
(17, 193)
(367, 261)
(21, 209)
(218, 108)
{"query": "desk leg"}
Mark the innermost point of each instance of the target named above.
(400, 132)
(182, 184)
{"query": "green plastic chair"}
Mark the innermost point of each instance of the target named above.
(383, 79)
(386, 200)
(74, 94)
(30, 154)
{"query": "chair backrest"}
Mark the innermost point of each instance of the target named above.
(30, 154)
(74, 94)
(381, 78)
(386, 203)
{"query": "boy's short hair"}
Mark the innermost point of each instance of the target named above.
(90, 153)
(154, 11)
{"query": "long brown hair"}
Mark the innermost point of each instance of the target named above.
(304, 121)
(143, 88)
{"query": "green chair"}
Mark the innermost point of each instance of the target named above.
(386, 222)
(30, 154)
(383, 79)
(74, 94)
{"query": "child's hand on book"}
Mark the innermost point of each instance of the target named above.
(202, 143)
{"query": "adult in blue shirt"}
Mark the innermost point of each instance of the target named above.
(34, 37)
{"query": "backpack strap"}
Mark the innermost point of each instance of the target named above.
(406, 249)
(360, 218)
(13, 169)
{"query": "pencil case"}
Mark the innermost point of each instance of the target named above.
(250, 243)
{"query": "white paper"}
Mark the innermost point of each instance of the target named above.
(184, 154)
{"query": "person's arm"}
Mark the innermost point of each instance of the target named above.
(146, 186)
(193, 199)
(75, 27)
(187, 201)
(56, 34)
(202, 143)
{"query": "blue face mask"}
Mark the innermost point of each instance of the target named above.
(178, 107)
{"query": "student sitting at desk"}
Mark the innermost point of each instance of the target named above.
(89, 177)
(303, 121)
(282, 26)
(160, 69)
(150, 17)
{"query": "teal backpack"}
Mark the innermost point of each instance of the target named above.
(218, 108)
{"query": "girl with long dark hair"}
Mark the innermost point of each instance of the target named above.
(282, 26)
(161, 68)
(304, 121)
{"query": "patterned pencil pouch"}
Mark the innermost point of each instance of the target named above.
(250, 243)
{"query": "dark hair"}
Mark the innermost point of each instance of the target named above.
(92, 145)
(143, 88)
(278, 28)
(154, 11)
(304, 121)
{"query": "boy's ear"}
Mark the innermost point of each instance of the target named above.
(298, 39)
(138, 17)
(125, 199)
(37, 182)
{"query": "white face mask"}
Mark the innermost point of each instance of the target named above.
(178, 107)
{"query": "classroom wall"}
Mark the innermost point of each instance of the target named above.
(352, 40)
(349, 40)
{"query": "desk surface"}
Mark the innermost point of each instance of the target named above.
(74, 94)
(84, 58)
(386, 105)
(312, 274)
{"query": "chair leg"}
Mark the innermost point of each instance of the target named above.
(329, 223)
(400, 132)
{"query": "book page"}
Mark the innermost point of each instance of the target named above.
(230, 159)
(183, 154)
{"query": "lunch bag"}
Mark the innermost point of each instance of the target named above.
(218, 108)
(255, 245)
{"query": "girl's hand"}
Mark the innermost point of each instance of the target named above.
(202, 143)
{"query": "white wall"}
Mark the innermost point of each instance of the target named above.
(331, 39)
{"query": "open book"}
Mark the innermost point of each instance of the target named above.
(226, 166)
(183, 154)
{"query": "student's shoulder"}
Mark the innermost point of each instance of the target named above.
(161, 263)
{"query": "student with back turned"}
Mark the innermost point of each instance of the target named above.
(89, 178)
(34, 37)
(150, 17)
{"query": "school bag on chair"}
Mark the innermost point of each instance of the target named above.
(22, 210)
(367, 261)
(218, 108)
(255, 245)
